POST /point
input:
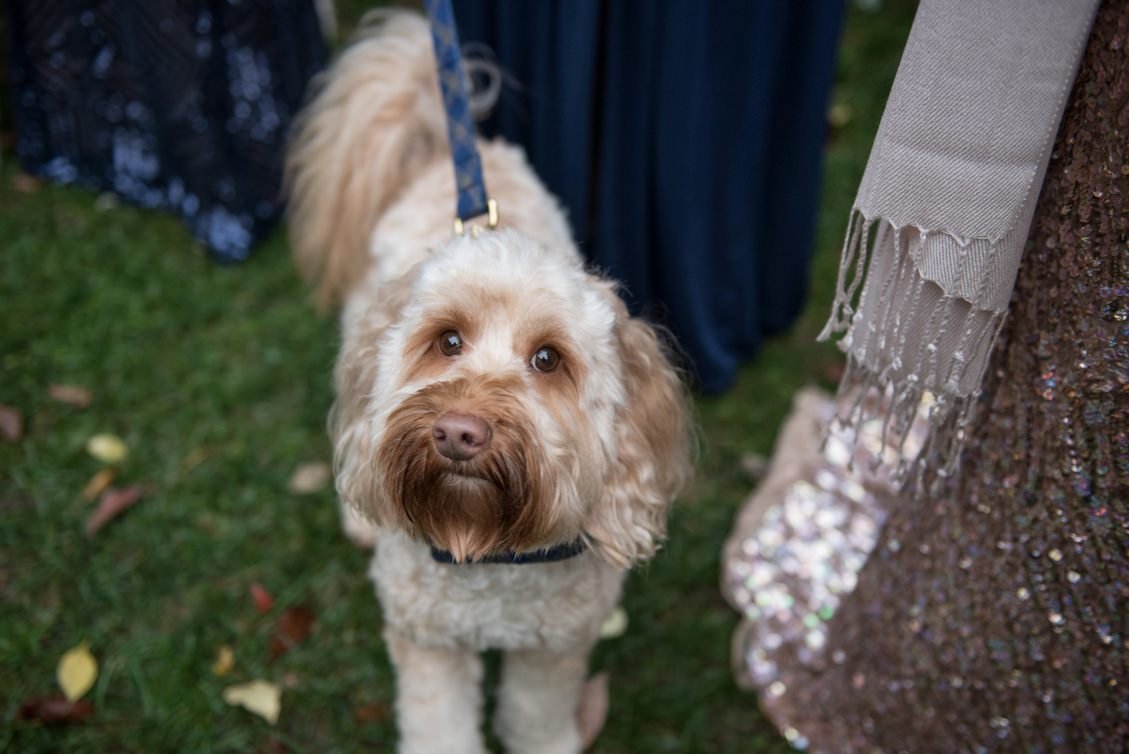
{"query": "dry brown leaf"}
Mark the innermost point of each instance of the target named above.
(72, 395)
(98, 483)
(293, 627)
(263, 599)
(25, 183)
(310, 478)
(271, 746)
(54, 710)
(11, 424)
(371, 712)
(832, 372)
(110, 506)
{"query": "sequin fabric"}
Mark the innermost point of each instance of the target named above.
(803, 538)
(182, 106)
(993, 612)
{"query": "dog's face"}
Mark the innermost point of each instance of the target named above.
(503, 400)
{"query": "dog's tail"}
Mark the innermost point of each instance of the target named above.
(376, 117)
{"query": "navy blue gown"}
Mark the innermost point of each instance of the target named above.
(684, 138)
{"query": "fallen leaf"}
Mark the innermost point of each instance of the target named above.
(110, 506)
(225, 660)
(98, 483)
(271, 746)
(615, 625)
(263, 599)
(755, 466)
(259, 697)
(107, 200)
(11, 424)
(832, 372)
(25, 183)
(372, 712)
(195, 457)
(76, 672)
(840, 114)
(73, 395)
(310, 478)
(592, 712)
(54, 710)
(293, 627)
(109, 449)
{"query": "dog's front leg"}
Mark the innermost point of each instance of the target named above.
(538, 701)
(438, 697)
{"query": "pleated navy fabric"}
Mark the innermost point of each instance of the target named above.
(685, 141)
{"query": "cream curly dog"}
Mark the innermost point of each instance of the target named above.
(494, 399)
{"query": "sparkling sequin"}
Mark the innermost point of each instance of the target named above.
(789, 575)
(990, 614)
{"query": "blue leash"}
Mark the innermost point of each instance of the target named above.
(473, 200)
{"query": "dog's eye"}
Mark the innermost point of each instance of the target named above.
(450, 343)
(545, 359)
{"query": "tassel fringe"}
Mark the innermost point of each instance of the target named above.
(908, 344)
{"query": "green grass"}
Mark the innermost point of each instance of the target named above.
(219, 381)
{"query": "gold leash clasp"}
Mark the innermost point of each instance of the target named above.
(475, 229)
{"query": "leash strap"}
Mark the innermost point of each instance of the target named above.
(471, 188)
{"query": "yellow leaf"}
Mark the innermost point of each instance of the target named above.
(77, 672)
(615, 625)
(108, 449)
(225, 660)
(98, 484)
(259, 697)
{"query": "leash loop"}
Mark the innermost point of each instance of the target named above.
(472, 200)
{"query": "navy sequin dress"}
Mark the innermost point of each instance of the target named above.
(182, 106)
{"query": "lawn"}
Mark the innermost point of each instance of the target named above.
(218, 381)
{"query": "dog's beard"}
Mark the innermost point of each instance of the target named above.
(489, 504)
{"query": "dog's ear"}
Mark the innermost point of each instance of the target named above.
(654, 448)
(351, 418)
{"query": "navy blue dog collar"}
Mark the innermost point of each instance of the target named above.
(548, 555)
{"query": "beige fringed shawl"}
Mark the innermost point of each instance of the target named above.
(944, 206)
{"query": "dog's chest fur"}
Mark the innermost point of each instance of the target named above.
(552, 606)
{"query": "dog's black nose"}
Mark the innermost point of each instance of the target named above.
(460, 437)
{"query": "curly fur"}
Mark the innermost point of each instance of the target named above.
(597, 448)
